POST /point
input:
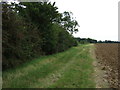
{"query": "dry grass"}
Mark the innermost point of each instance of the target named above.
(107, 54)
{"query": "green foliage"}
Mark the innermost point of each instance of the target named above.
(69, 23)
(33, 29)
(20, 39)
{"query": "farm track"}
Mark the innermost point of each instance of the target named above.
(69, 69)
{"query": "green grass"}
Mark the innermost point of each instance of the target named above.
(70, 69)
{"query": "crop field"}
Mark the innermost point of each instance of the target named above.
(108, 56)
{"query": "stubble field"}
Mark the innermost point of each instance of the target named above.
(108, 56)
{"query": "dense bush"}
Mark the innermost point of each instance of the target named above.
(33, 31)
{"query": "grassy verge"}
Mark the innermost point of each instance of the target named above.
(69, 69)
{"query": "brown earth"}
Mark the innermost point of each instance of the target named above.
(107, 58)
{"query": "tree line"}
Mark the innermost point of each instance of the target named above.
(85, 40)
(34, 29)
(89, 40)
(108, 41)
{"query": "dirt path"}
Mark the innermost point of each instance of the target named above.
(99, 71)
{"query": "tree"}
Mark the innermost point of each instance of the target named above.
(69, 23)
(36, 30)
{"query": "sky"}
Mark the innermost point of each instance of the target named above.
(98, 19)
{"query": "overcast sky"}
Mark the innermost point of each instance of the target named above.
(98, 19)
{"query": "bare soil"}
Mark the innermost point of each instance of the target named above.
(99, 74)
(107, 60)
